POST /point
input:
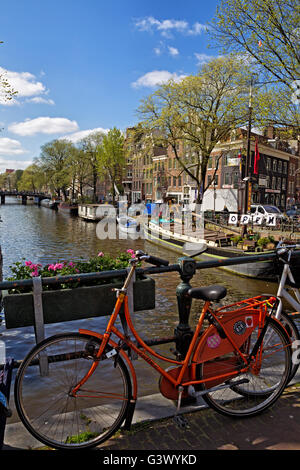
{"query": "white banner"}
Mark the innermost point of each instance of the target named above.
(256, 220)
(233, 219)
(245, 219)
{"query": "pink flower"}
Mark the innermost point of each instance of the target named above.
(28, 263)
(71, 264)
(101, 254)
(58, 266)
(130, 251)
(51, 267)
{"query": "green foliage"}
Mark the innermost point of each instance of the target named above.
(263, 241)
(111, 158)
(236, 239)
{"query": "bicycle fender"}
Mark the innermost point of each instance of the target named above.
(238, 327)
(113, 344)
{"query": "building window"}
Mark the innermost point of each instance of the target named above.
(279, 166)
(231, 159)
(283, 184)
(274, 165)
(278, 183)
(268, 165)
(227, 178)
(285, 168)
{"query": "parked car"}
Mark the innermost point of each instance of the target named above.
(293, 213)
(266, 211)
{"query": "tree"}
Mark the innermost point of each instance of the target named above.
(90, 146)
(198, 112)
(53, 161)
(32, 179)
(80, 170)
(267, 31)
(111, 158)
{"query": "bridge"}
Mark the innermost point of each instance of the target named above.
(24, 195)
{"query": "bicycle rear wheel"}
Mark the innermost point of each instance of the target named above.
(262, 386)
(44, 402)
(293, 332)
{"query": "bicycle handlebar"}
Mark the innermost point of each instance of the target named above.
(151, 259)
(156, 261)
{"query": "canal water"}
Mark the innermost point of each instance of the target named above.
(42, 235)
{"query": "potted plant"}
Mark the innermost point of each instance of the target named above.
(73, 300)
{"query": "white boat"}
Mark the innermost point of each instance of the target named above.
(128, 224)
(94, 212)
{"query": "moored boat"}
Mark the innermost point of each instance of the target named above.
(51, 204)
(165, 237)
(95, 212)
(71, 208)
(128, 224)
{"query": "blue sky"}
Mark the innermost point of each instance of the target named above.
(81, 65)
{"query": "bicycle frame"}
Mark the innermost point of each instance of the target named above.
(282, 293)
(144, 351)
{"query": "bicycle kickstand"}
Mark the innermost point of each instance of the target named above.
(179, 419)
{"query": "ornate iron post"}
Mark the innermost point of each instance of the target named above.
(183, 332)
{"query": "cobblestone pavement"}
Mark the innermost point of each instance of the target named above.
(276, 429)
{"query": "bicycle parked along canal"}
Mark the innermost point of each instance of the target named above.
(287, 281)
(89, 386)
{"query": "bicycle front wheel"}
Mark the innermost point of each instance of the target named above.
(261, 386)
(47, 408)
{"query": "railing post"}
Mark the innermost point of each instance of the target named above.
(134, 355)
(183, 332)
(39, 326)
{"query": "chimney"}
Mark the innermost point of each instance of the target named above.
(270, 132)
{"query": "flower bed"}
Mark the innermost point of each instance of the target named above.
(101, 262)
(73, 301)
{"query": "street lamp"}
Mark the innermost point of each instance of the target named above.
(247, 178)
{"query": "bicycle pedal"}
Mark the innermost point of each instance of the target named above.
(181, 421)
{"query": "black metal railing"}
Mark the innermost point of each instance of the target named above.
(122, 273)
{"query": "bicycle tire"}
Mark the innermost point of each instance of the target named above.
(45, 406)
(234, 400)
(293, 332)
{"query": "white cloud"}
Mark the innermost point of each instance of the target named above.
(11, 147)
(165, 27)
(13, 164)
(156, 77)
(173, 51)
(26, 84)
(204, 58)
(77, 136)
(149, 23)
(43, 125)
(40, 100)
(198, 28)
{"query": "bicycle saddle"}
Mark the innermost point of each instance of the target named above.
(208, 293)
